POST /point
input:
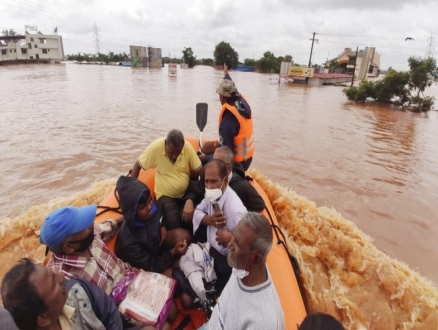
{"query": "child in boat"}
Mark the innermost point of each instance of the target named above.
(143, 239)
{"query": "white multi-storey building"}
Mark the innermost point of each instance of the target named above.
(31, 48)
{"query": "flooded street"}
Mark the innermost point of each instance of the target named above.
(64, 127)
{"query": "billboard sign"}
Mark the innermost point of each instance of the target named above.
(172, 69)
(31, 28)
(301, 71)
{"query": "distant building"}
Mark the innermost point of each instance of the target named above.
(155, 60)
(367, 62)
(31, 48)
(139, 56)
(145, 57)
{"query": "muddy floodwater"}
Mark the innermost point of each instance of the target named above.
(64, 127)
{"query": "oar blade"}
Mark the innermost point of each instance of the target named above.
(201, 115)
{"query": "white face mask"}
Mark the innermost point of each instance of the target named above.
(240, 273)
(214, 194)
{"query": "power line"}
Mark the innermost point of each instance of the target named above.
(323, 53)
(362, 36)
(40, 13)
(390, 47)
(52, 14)
(288, 47)
(65, 40)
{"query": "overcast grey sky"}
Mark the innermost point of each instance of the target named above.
(250, 26)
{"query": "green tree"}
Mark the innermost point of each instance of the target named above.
(250, 62)
(10, 32)
(393, 86)
(268, 55)
(111, 57)
(288, 58)
(397, 87)
(79, 57)
(93, 58)
(224, 53)
(103, 58)
(188, 57)
(390, 89)
(333, 66)
(87, 58)
(207, 61)
(167, 59)
(423, 72)
(268, 62)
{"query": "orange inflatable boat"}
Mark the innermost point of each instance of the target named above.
(279, 263)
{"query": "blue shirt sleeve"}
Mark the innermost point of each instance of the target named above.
(228, 129)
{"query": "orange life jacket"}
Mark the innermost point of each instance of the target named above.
(244, 140)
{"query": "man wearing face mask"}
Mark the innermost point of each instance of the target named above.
(249, 300)
(220, 223)
(78, 247)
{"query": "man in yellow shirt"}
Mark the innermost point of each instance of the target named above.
(172, 158)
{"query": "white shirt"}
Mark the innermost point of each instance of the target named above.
(233, 209)
(251, 308)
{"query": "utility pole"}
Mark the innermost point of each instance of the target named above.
(354, 69)
(96, 37)
(429, 47)
(311, 51)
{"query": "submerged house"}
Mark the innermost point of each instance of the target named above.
(31, 48)
(367, 62)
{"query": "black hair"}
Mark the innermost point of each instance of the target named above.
(220, 164)
(20, 297)
(175, 137)
(320, 321)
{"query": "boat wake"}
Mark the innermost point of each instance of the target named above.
(344, 273)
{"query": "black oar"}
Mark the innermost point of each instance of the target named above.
(201, 119)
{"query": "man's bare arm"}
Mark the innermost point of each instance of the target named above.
(135, 170)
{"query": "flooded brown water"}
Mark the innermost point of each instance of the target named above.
(64, 127)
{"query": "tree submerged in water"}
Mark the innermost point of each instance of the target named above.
(98, 58)
(224, 53)
(189, 57)
(401, 88)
